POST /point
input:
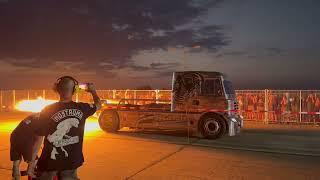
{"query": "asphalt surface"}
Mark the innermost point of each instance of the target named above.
(260, 152)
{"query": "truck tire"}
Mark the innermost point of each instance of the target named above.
(109, 121)
(212, 126)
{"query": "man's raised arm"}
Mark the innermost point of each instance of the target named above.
(95, 96)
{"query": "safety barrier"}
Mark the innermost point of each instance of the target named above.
(269, 106)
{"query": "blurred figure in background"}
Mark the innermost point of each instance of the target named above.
(24, 144)
(283, 103)
(277, 107)
(317, 108)
(250, 107)
(260, 108)
(255, 106)
(240, 102)
(272, 107)
(296, 107)
(245, 105)
(310, 106)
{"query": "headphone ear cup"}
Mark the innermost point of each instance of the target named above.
(76, 89)
(55, 87)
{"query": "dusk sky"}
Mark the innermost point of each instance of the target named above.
(258, 44)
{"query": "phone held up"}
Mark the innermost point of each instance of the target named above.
(83, 86)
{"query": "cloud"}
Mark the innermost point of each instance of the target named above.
(38, 34)
(154, 67)
(274, 51)
(164, 65)
(163, 74)
(231, 53)
(253, 53)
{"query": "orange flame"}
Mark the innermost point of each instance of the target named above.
(35, 105)
(92, 128)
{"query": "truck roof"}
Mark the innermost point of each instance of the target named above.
(206, 73)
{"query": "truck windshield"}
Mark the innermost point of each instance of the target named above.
(228, 87)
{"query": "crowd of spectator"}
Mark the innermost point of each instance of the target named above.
(280, 106)
(252, 105)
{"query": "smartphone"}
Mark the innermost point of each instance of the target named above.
(84, 86)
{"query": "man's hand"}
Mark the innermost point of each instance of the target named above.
(91, 88)
(96, 99)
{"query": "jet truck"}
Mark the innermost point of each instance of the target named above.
(202, 103)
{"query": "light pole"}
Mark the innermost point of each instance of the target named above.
(184, 69)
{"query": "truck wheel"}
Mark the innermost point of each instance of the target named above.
(212, 127)
(109, 121)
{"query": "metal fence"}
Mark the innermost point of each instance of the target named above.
(280, 106)
(269, 106)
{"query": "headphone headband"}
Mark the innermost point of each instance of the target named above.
(68, 77)
(57, 84)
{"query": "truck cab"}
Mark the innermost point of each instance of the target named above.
(201, 102)
(206, 92)
(200, 91)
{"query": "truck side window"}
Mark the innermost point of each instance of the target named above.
(212, 87)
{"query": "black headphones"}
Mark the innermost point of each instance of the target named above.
(57, 84)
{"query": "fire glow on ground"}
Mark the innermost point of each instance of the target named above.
(91, 127)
